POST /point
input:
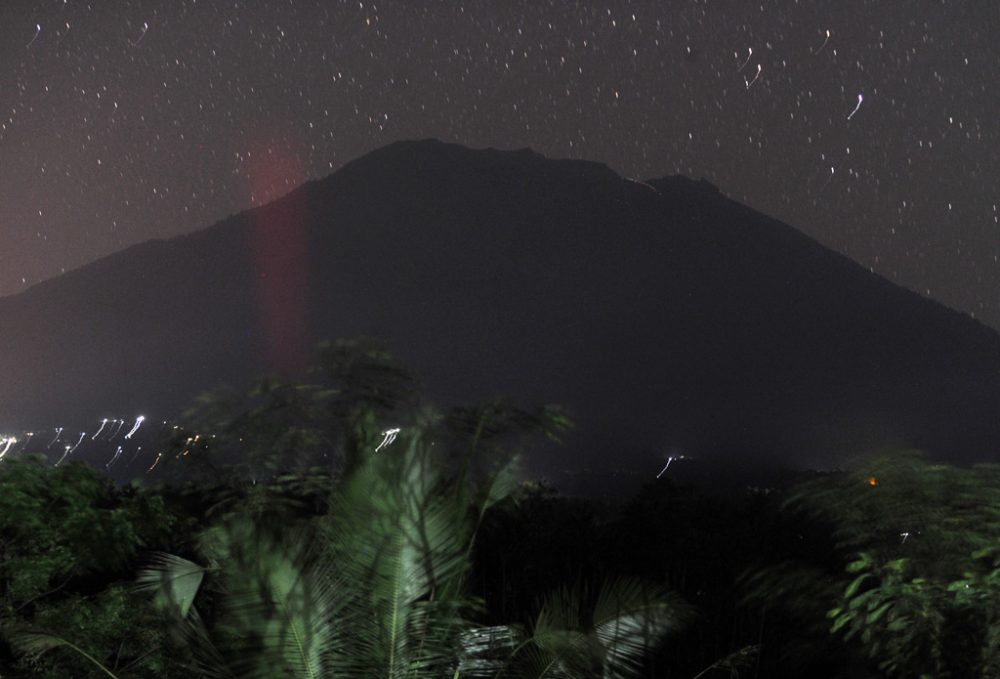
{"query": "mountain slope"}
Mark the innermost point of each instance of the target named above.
(666, 316)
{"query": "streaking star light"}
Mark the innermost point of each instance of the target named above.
(826, 40)
(145, 27)
(38, 31)
(861, 98)
(745, 61)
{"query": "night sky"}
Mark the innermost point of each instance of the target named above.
(125, 121)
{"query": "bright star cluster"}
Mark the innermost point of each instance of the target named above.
(870, 125)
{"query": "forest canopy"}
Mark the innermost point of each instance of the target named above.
(342, 526)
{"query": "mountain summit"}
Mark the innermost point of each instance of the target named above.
(664, 315)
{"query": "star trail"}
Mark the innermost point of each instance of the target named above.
(870, 126)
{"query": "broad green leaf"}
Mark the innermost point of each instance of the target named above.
(878, 612)
(855, 584)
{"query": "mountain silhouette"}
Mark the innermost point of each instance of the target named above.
(664, 315)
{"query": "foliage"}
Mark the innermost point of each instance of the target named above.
(399, 538)
(314, 545)
(355, 392)
(276, 427)
(920, 583)
(385, 594)
(113, 629)
(62, 522)
(63, 529)
(377, 584)
(579, 631)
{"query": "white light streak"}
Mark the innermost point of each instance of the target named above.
(7, 443)
(389, 436)
(861, 98)
(114, 458)
(642, 183)
(59, 431)
(38, 31)
(670, 459)
(756, 75)
(135, 427)
(824, 42)
(98, 432)
(145, 27)
(746, 61)
(121, 423)
(665, 467)
(65, 453)
(82, 434)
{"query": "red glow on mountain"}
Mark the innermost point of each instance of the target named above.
(279, 245)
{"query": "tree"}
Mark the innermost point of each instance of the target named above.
(275, 427)
(918, 543)
(363, 569)
(378, 587)
(63, 529)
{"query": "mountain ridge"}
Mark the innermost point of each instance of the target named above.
(667, 315)
(688, 184)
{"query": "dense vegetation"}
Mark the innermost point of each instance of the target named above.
(299, 535)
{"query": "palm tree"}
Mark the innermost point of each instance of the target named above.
(370, 589)
(377, 588)
(580, 631)
(377, 585)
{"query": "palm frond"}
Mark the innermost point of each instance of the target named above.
(403, 544)
(283, 619)
(486, 651)
(630, 618)
(206, 660)
(556, 653)
(175, 581)
(280, 610)
(501, 485)
(562, 608)
(607, 632)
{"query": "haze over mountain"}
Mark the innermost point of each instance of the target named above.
(668, 318)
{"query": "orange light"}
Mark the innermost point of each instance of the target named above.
(872, 481)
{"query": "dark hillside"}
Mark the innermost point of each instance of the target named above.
(664, 315)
